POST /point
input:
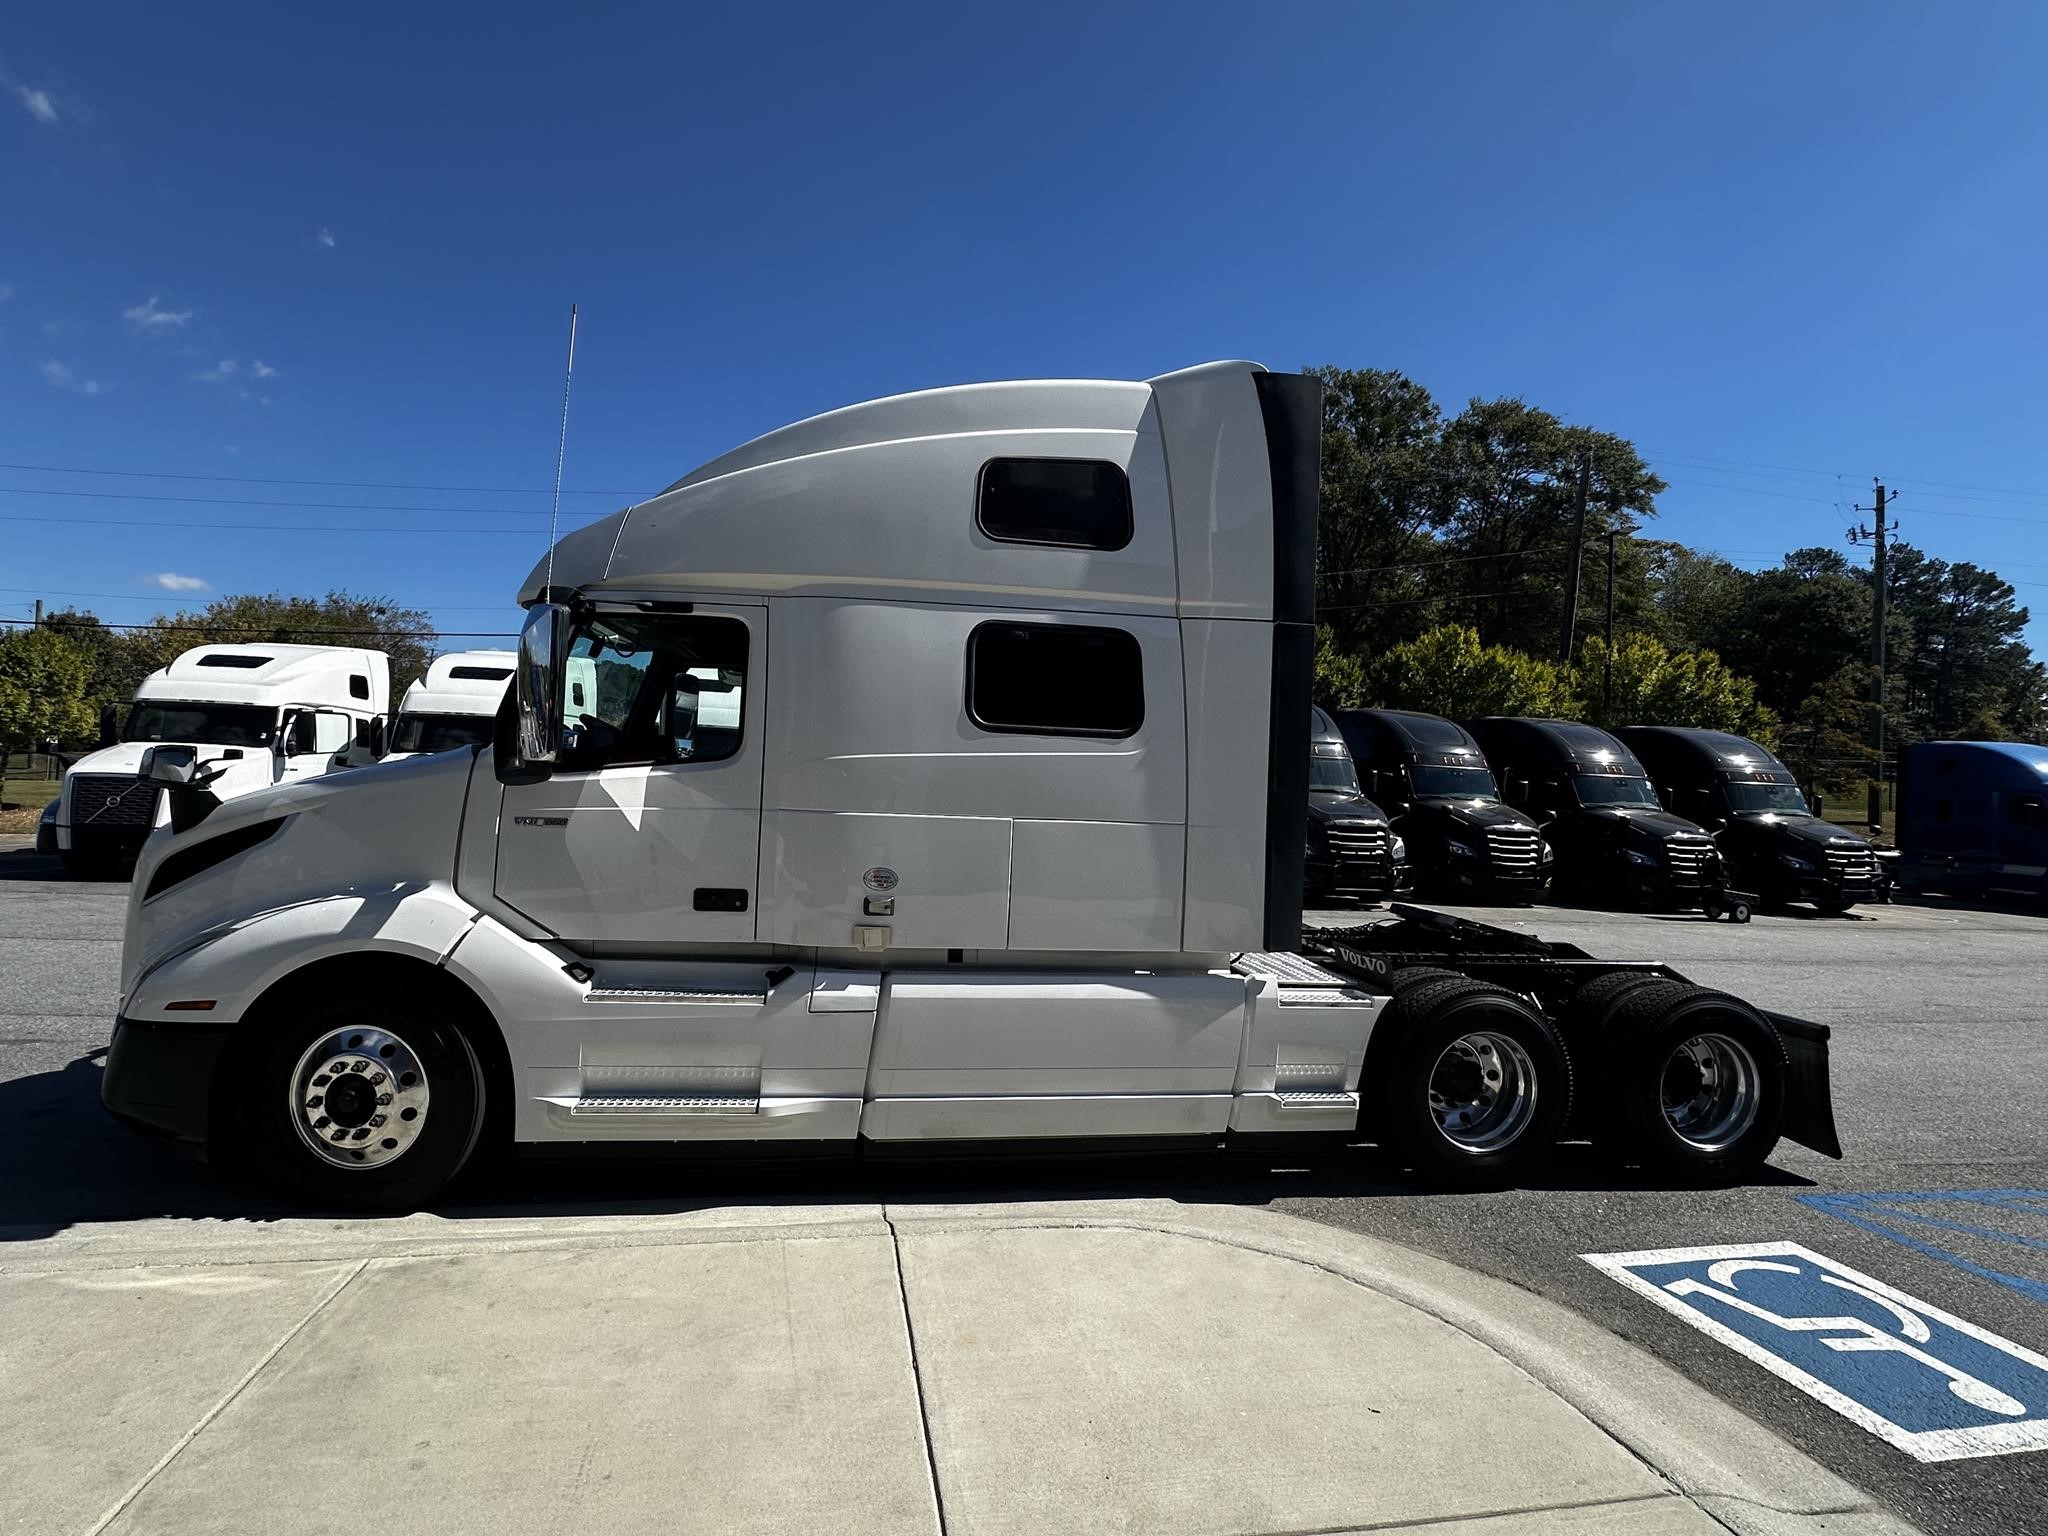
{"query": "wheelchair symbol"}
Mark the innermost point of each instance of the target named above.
(1850, 1335)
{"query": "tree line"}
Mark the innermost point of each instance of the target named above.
(1444, 555)
(1442, 561)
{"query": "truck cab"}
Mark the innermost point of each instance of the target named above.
(454, 704)
(1432, 777)
(1351, 849)
(1769, 837)
(1973, 818)
(264, 714)
(1612, 840)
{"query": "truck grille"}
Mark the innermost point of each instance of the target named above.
(111, 800)
(1515, 851)
(1853, 866)
(1692, 860)
(1357, 840)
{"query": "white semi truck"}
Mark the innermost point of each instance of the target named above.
(453, 703)
(265, 714)
(925, 772)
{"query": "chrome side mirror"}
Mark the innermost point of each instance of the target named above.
(169, 766)
(535, 737)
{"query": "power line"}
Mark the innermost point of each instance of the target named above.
(133, 522)
(311, 636)
(347, 485)
(145, 597)
(244, 501)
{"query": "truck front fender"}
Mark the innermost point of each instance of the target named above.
(218, 978)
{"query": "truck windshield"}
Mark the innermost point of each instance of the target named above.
(219, 725)
(1783, 798)
(440, 733)
(1452, 783)
(1333, 775)
(1605, 789)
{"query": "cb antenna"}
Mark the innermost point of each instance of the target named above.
(561, 452)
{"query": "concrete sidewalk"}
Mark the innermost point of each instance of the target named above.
(1137, 1366)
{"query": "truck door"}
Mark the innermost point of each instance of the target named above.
(649, 831)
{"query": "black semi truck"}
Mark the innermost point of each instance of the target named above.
(1613, 843)
(1772, 842)
(1351, 848)
(1431, 776)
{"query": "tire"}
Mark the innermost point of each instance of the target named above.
(1406, 981)
(1660, 1042)
(1469, 1084)
(273, 1118)
(1739, 913)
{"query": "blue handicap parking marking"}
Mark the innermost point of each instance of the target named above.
(1935, 1386)
(2006, 1218)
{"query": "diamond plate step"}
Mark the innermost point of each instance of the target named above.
(675, 995)
(1299, 1098)
(670, 1104)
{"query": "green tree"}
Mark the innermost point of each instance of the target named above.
(1510, 477)
(1967, 672)
(1696, 598)
(116, 663)
(1655, 685)
(1376, 564)
(1450, 671)
(43, 681)
(1339, 675)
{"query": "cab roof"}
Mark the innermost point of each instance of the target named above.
(342, 676)
(2029, 755)
(462, 683)
(1578, 742)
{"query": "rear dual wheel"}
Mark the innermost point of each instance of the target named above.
(1683, 1081)
(1471, 1084)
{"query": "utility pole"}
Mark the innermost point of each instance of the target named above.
(1877, 535)
(39, 613)
(1607, 686)
(1571, 581)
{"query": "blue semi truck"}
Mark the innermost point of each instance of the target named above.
(1973, 818)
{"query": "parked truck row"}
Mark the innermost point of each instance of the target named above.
(931, 771)
(267, 714)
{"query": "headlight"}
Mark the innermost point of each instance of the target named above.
(1462, 850)
(1637, 857)
(1399, 848)
(1790, 862)
(1543, 851)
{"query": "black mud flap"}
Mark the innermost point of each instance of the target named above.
(1809, 1102)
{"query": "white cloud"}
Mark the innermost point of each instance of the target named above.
(326, 238)
(62, 376)
(262, 370)
(226, 368)
(39, 105)
(6, 292)
(149, 315)
(171, 581)
(53, 327)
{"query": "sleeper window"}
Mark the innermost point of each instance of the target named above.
(1079, 503)
(653, 688)
(1055, 680)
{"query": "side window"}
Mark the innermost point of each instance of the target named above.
(1055, 680)
(358, 686)
(653, 688)
(1076, 503)
(363, 731)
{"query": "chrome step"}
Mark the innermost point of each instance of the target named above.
(668, 1104)
(1326, 997)
(1304, 1098)
(675, 995)
(1288, 969)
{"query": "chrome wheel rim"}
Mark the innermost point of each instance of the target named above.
(1710, 1090)
(359, 1098)
(1482, 1091)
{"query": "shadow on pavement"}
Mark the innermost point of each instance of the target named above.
(70, 1163)
(27, 864)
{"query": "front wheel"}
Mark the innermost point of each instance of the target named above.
(375, 1113)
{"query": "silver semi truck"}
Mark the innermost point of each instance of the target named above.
(930, 771)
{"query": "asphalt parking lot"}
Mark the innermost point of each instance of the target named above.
(1939, 1057)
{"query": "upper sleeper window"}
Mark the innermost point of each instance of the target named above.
(1077, 503)
(1055, 680)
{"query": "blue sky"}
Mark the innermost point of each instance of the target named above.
(1783, 248)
